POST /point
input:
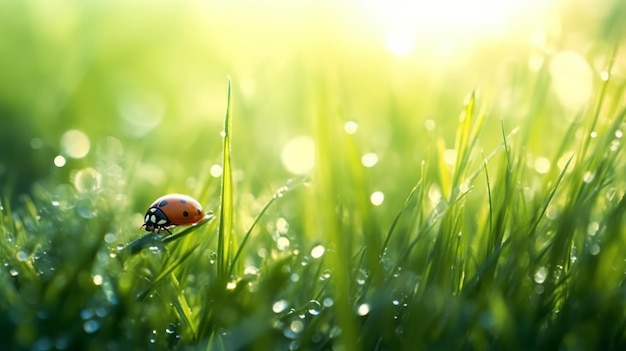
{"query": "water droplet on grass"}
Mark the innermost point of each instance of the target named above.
(280, 305)
(361, 277)
(325, 275)
(313, 307)
(21, 256)
(363, 309)
(13, 272)
(282, 243)
(540, 275)
(328, 302)
(171, 328)
(317, 251)
(296, 326)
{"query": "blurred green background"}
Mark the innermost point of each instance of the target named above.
(107, 105)
(150, 77)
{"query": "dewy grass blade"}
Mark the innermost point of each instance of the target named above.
(152, 239)
(278, 194)
(396, 218)
(182, 306)
(226, 195)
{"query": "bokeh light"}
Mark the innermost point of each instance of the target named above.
(298, 155)
(75, 144)
(572, 78)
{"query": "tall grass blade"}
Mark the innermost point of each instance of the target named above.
(224, 232)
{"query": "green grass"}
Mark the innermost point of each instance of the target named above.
(482, 247)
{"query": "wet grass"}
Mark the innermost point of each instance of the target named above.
(482, 253)
(503, 229)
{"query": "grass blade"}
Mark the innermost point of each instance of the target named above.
(224, 232)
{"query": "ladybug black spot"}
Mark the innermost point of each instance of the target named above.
(199, 212)
(162, 203)
(185, 214)
(183, 201)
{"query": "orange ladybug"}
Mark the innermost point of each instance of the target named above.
(172, 209)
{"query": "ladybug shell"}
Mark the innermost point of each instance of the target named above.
(172, 209)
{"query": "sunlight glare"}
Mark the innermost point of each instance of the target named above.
(407, 23)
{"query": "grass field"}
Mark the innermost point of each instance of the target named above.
(375, 176)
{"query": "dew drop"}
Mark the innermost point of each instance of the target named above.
(594, 249)
(296, 326)
(212, 257)
(540, 275)
(282, 243)
(361, 277)
(363, 309)
(250, 270)
(328, 302)
(13, 272)
(313, 307)
(21, 256)
(171, 328)
(317, 251)
(280, 306)
(325, 275)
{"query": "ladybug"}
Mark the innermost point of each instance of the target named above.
(172, 209)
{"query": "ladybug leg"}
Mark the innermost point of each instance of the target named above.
(164, 228)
